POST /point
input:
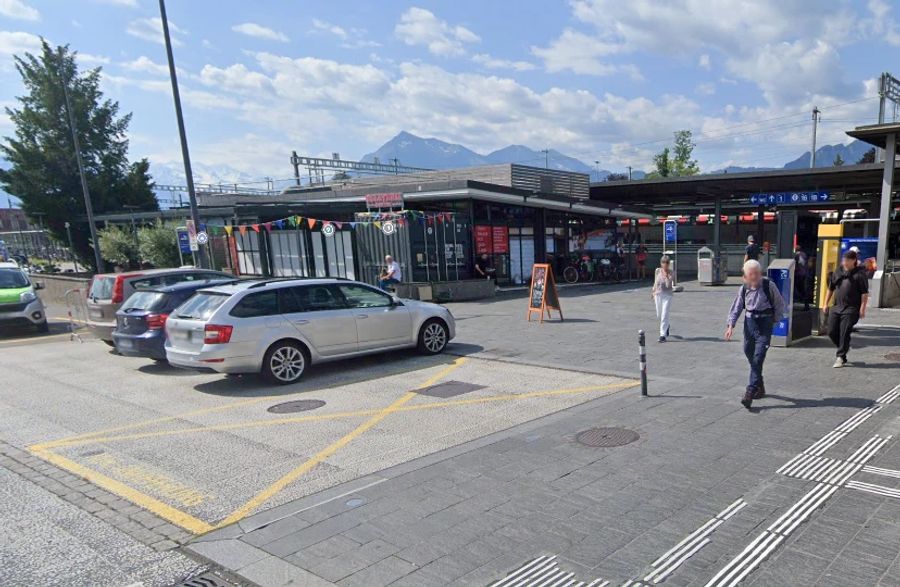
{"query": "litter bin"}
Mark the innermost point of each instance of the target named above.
(711, 268)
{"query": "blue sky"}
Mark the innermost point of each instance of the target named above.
(597, 79)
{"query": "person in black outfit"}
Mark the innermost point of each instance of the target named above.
(849, 287)
(751, 253)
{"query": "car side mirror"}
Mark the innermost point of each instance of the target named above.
(396, 302)
(38, 286)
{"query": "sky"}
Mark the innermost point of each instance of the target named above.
(601, 80)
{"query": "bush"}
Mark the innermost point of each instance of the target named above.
(117, 246)
(158, 245)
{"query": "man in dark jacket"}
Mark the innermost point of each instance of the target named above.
(849, 287)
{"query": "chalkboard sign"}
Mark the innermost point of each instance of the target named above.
(543, 296)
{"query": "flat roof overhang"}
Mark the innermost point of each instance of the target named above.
(875, 134)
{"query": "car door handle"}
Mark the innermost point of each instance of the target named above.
(301, 322)
(362, 316)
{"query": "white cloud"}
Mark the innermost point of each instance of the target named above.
(882, 24)
(580, 53)
(494, 63)
(327, 27)
(236, 78)
(150, 29)
(705, 89)
(704, 62)
(128, 3)
(196, 98)
(18, 10)
(144, 64)
(91, 59)
(251, 29)
(418, 26)
(17, 43)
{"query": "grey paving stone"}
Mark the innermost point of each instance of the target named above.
(275, 572)
(231, 554)
(383, 572)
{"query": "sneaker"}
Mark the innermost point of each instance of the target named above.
(667, 330)
(747, 400)
(839, 362)
(760, 392)
(662, 339)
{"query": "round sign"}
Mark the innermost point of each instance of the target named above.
(328, 230)
(202, 238)
(388, 228)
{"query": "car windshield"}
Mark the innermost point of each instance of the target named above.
(10, 278)
(201, 305)
(101, 288)
(144, 300)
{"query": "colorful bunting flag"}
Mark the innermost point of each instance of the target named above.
(255, 227)
(242, 229)
(340, 225)
(312, 222)
(268, 226)
(228, 230)
(377, 224)
(279, 224)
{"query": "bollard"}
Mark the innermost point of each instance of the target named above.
(642, 347)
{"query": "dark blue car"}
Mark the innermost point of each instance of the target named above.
(141, 321)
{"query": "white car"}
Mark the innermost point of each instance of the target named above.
(279, 327)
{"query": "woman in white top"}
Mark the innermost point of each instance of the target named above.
(663, 290)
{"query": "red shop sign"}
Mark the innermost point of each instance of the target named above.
(384, 200)
(501, 240)
(482, 239)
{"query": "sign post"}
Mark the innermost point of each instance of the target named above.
(184, 243)
(543, 296)
(670, 237)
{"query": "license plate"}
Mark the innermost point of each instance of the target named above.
(183, 334)
(125, 343)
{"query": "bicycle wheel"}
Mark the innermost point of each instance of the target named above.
(570, 274)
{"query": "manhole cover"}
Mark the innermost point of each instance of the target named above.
(449, 389)
(355, 502)
(301, 405)
(892, 356)
(606, 437)
(206, 580)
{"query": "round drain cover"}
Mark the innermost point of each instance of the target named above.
(606, 437)
(892, 357)
(302, 405)
(355, 502)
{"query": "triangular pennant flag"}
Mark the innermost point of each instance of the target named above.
(242, 229)
(228, 230)
(377, 224)
(268, 226)
(312, 222)
(255, 227)
(300, 221)
(353, 225)
(279, 224)
(292, 221)
(339, 225)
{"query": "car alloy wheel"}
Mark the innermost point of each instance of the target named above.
(434, 337)
(287, 363)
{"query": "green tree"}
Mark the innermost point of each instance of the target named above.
(868, 157)
(44, 172)
(117, 245)
(838, 160)
(682, 164)
(158, 245)
(663, 163)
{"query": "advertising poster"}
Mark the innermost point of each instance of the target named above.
(782, 280)
(482, 239)
(500, 239)
(868, 251)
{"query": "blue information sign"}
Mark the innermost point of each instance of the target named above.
(782, 280)
(184, 240)
(671, 231)
(789, 198)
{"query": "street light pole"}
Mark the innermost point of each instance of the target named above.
(88, 207)
(185, 154)
(71, 249)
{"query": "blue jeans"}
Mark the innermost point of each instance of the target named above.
(757, 336)
(384, 283)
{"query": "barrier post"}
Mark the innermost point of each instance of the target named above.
(642, 348)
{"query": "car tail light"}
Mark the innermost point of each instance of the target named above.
(118, 291)
(216, 334)
(156, 321)
(90, 287)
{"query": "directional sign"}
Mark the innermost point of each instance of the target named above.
(671, 231)
(789, 198)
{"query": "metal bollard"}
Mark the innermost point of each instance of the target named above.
(642, 347)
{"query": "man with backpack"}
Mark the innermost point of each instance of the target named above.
(762, 305)
(849, 287)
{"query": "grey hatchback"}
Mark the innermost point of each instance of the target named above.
(279, 327)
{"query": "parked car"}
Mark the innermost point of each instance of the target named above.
(140, 322)
(19, 302)
(108, 291)
(279, 327)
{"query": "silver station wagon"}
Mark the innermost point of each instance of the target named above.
(279, 327)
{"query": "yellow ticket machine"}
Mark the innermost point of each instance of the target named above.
(828, 257)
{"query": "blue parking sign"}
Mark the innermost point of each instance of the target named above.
(671, 231)
(184, 240)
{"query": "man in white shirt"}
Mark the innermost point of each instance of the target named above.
(391, 274)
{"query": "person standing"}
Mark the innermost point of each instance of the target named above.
(391, 274)
(849, 287)
(762, 305)
(662, 294)
(751, 253)
(641, 257)
(801, 263)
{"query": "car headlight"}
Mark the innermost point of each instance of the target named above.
(27, 296)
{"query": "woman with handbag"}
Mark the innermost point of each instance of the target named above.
(662, 293)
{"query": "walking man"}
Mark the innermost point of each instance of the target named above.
(391, 274)
(751, 253)
(762, 305)
(849, 287)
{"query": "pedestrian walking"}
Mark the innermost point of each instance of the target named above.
(641, 257)
(662, 293)
(762, 305)
(849, 287)
(390, 275)
(751, 253)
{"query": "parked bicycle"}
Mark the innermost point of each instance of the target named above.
(580, 269)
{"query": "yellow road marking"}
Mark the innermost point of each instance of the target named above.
(66, 319)
(335, 416)
(153, 505)
(275, 488)
(33, 338)
(160, 483)
(160, 420)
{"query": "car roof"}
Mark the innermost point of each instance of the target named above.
(187, 285)
(167, 270)
(245, 284)
(9, 265)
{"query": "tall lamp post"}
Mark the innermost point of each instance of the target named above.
(185, 154)
(88, 207)
(71, 248)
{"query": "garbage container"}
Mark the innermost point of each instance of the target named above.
(711, 268)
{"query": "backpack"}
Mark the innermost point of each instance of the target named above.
(765, 288)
